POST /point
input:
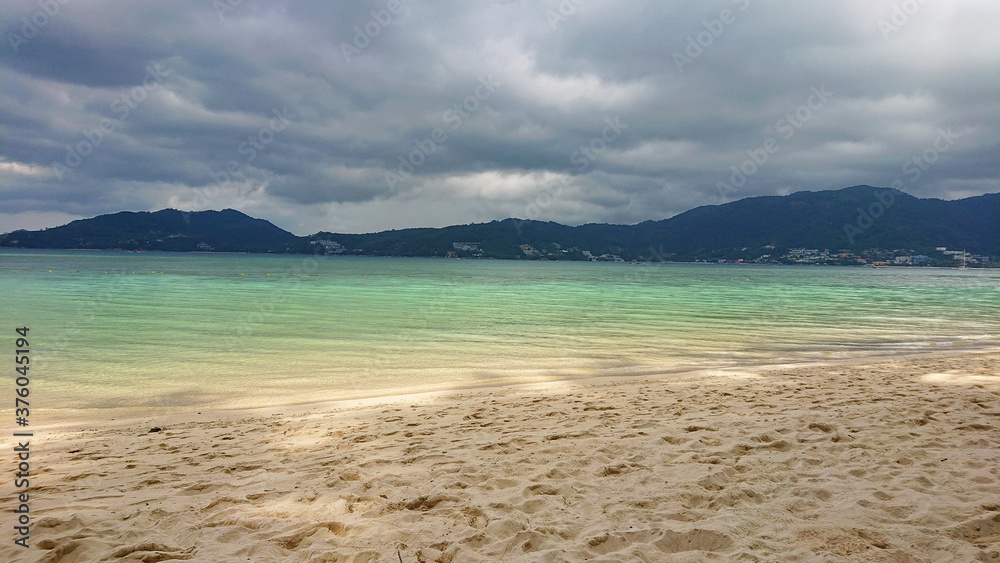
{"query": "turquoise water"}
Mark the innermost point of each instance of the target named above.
(106, 332)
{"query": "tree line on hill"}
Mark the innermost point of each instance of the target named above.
(852, 220)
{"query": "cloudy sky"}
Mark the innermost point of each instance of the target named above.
(369, 115)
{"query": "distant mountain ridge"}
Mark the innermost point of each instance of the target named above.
(171, 230)
(856, 218)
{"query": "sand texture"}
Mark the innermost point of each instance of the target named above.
(895, 460)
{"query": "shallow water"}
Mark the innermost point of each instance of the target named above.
(165, 331)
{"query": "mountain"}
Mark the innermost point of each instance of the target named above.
(853, 219)
(224, 231)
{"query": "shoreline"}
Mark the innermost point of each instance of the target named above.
(303, 402)
(519, 260)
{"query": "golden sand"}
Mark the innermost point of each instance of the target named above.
(892, 460)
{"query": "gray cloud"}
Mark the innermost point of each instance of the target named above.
(699, 87)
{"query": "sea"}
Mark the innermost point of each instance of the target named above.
(114, 333)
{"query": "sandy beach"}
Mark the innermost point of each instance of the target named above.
(887, 460)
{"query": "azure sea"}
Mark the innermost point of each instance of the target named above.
(130, 333)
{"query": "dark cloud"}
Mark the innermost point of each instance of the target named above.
(300, 111)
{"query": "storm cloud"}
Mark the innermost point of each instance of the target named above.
(402, 113)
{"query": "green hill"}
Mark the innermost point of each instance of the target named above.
(842, 219)
(223, 231)
(854, 219)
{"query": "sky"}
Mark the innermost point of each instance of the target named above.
(372, 115)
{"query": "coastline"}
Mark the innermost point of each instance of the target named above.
(893, 459)
(303, 403)
(517, 260)
(64, 419)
